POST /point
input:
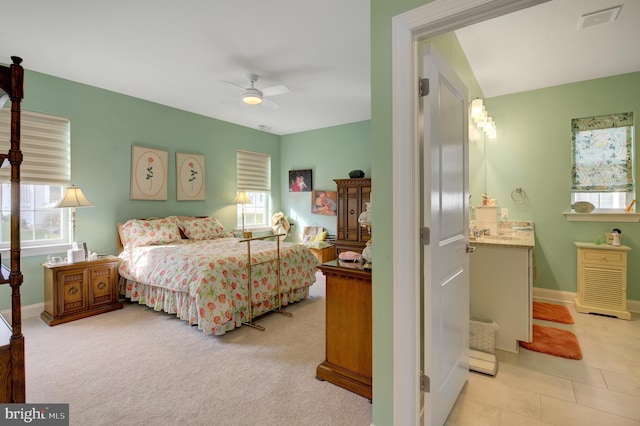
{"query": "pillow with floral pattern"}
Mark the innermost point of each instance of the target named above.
(203, 228)
(145, 232)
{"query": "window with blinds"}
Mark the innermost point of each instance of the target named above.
(602, 160)
(45, 146)
(254, 177)
(44, 173)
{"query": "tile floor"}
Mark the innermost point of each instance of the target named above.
(532, 389)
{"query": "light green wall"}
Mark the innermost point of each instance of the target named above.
(104, 125)
(382, 11)
(330, 153)
(533, 151)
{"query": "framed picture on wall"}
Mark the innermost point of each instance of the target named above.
(324, 202)
(190, 181)
(300, 181)
(148, 173)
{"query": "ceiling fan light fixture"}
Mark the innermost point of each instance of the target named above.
(252, 99)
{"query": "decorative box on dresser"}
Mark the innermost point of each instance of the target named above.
(352, 196)
(602, 279)
(324, 254)
(78, 290)
(348, 327)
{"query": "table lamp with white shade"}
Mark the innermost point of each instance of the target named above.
(243, 198)
(74, 197)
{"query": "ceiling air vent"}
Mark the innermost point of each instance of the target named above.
(598, 18)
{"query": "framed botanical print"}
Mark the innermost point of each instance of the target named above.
(148, 173)
(190, 181)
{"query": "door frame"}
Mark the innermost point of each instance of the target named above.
(437, 17)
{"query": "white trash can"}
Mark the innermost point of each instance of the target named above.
(482, 334)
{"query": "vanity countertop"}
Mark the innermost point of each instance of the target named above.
(517, 239)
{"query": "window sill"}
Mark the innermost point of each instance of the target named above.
(602, 217)
(38, 250)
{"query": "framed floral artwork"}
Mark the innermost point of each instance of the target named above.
(190, 182)
(148, 173)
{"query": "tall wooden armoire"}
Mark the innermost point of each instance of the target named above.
(352, 196)
(12, 390)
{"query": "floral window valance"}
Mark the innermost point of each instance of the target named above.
(602, 157)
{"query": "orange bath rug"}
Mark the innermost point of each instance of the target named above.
(552, 312)
(554, 341)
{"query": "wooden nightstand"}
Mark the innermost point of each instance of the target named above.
(78, 290)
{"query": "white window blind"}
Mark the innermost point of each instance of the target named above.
(45, 145)
(254, 171)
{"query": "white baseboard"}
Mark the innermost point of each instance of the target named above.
(568, 297)
(29, 311)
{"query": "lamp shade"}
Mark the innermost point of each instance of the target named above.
(74, 197)
(242, 198)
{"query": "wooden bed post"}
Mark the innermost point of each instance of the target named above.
(12, 82)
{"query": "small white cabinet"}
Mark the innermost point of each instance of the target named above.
(602, 279)
(500, 290)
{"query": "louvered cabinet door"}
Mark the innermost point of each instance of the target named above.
(602, 280)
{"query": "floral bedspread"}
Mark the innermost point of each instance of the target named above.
(206, 282)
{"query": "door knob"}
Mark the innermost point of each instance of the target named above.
(470, 249)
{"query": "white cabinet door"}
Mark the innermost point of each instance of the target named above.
(500, 290)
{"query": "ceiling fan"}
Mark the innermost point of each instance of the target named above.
(253, 96)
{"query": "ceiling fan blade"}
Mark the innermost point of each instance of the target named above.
(234, 84)
(275, 90)
(266, 103)
(234, 100)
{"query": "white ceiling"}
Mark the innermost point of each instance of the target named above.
(180, 53)
(542, 46)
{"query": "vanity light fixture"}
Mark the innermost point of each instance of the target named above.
(480, 116)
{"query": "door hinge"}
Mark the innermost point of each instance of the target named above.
(425, 236)
(425, 383)
(423, 87)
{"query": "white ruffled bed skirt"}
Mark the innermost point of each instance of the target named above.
(186, 308)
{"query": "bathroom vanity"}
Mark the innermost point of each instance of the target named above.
(501, 281)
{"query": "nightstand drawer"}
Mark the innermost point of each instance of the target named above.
(605, 257)
(103, 285)
(72, 291)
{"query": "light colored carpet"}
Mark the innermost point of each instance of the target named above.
(136, 367)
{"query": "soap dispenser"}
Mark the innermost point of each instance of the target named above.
(615, 233)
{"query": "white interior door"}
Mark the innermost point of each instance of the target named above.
(445, 260)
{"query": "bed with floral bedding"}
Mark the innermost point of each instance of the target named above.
(193, 268)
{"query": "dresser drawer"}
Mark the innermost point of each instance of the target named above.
(604, 257)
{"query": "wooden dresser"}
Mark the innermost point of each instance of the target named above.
(352, 196)
(348, 327)
(78, 290)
